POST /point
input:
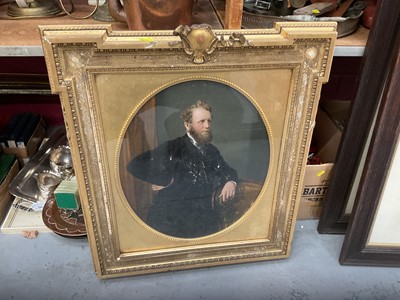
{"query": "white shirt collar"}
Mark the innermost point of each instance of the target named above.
(192, 139)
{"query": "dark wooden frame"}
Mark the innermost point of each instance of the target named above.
(355, 250)
(376, 60)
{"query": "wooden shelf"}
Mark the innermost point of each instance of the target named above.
(20, 37)
(351, 45)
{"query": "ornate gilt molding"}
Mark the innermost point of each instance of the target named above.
(199, 41)
(104, 77)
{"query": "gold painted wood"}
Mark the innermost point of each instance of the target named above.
(105, 78)
(233, 14)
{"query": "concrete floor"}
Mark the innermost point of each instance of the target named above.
(53, 267)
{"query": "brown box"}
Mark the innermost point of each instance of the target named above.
(326, 137)
(5, 196)
(24, 154)
(338, 111)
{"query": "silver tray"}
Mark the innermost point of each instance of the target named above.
(24, 185)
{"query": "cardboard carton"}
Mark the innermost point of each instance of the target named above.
(326, 138)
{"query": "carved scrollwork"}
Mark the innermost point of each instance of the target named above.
(199, 41)
(235, 39)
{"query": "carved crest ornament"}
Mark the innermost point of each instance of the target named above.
(199, 41)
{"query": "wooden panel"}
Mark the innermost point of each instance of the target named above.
(375, 66)
(233, 14)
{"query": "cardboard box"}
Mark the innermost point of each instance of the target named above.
(21, 217)
(5, 196)
(338, 111)
(326, 138)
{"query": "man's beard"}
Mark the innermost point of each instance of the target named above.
(201, 138)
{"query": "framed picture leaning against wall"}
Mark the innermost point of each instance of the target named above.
(189, 145)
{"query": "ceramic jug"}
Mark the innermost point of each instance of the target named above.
(152, 14)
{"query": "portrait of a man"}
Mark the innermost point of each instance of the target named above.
(193, 159)
(185, 173)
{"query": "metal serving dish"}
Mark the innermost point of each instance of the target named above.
(24, 185)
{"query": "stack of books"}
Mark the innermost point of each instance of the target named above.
(21, 135)
(19, 130)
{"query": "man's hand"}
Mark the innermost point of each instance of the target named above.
(155, 187)
(228, 191)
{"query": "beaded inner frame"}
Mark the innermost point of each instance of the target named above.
(104, 77)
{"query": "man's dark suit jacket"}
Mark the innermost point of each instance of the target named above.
(184, 208)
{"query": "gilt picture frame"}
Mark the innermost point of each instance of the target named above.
(118, 89)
